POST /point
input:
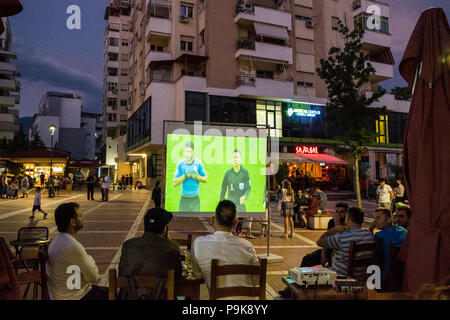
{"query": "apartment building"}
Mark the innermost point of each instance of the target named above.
(115, 89)
(249, 62)
(9, 86)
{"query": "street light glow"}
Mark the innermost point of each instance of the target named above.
(52, 129)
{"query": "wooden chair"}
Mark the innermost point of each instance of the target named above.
(394, 283)
(37, 277)
(361, 263)
(116, 282)
(241, 291)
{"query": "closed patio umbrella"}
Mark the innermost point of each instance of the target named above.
(425, 66)
(8, 8)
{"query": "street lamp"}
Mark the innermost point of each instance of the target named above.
(51, 129)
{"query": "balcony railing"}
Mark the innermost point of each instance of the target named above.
(249, 80)
(248, 8)
(246, 43)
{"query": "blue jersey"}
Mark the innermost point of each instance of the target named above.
(190, 186)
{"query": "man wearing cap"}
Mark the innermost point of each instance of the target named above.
(153, 253)
(189, 173)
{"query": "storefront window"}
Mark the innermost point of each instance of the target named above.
(382, 129)
(269, 113)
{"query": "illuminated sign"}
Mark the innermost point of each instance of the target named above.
(306, 150)
(302, 110)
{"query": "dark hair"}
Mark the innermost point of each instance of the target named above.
(356, 215)
(189, 144)
(382, 180)
(342, 205)
(226, 213)
(64, 213)
(385, 211)
(407, 209)
(237, 151)
(38, 189)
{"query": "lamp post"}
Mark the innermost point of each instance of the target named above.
(51, 129)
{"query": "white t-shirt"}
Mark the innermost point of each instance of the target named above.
(105, 184)
(37, 199)
(400, 190)
(383, 193)
(228, 249)
(65, 251)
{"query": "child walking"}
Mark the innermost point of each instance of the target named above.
(37, 203)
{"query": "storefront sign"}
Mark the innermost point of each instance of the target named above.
(306, 150)
(302, 110)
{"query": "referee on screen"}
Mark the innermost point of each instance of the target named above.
(237, 182)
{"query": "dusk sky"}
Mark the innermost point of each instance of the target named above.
(53, 58)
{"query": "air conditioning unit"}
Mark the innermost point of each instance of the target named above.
(309, 23)
(184, 19)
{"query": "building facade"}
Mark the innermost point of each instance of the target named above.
(249, 62)
(115, 89)
(9, 86)
(74, 134)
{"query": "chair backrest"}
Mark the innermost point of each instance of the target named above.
(116, 282)
(43, 256)
(240, 291)
(394, 282)
(185, 242)
(33, 233)
(361, 256)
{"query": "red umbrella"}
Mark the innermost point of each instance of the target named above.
(8, 8)
(425, 66)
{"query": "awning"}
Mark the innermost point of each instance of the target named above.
(267, 30)
(322, 158)
(291, 157)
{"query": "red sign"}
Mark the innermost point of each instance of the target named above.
(306, 150)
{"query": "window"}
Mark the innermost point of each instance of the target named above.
(124, 87)
(151, 166)
(381, 127)
(154, 47)
(264, 74)
(139, 125)
(201, 41)
(186, 45)
(334, 23)
(112, 72)
(269, 113)
(125, 27)
(112, 117)
(124, 57)
(113, 42)
(124, 43)
(303, 18)
(305, 84)
(195, 106)
(187, 11)
(111, 86)
(112, 102)
(124, 72)
(232, 110)
(123, 103)
(363, 20)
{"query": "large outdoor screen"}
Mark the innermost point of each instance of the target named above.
(202, 170)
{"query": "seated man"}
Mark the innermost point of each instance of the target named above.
(312, 208)
(340, 237)
(402, 216)
(65, 251)
(322, 199)
(389, 233)
(226, 247)
(300, 200)
(153, 253)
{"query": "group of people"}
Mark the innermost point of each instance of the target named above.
(10, 189)
(152, 254)
(126, 182)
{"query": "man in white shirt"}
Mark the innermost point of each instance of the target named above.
(71, 272)
(385, 194)
(225, 247)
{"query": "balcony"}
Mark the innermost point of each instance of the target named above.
(9, 67)
(112, 64)
(114, 49)
(158, 27)
(9, 84)
(383, 71)
(7, 101)
(6, 117)
(362, 5)
(157, 56)
(251, 86)
(248, 13)
(249, 48)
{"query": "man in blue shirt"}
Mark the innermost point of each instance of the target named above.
(189, 173)
(389, 233)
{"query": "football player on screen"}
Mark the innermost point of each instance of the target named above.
(189, 173)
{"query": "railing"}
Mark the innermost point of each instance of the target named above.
(248, 8)
(245, 43)
(249, 80)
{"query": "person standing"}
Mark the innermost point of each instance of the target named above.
(399, 192)
(90, 186)
(127, 182)
(156, 195)
(287, 206)
(42, 177)
(105, 186)
(24, 185)
(131, 182)
(37, 204)
(189, 173)
(57, 185)
(51, 187)
(384, 194)
(2, 185)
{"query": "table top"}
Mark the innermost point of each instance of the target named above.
(324, 292)
(29, 242)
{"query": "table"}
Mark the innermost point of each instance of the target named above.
(322, 292)
(20, 244)
(188, 288)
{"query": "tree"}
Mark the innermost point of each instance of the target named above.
(36, 142)
(348, 114)
(401, 93)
